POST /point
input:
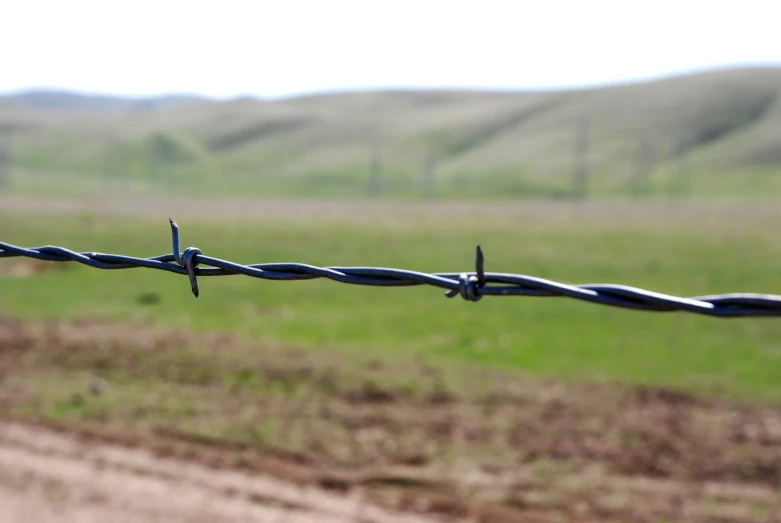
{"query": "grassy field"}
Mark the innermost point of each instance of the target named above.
(704, 250)
(506, 410)
(502, 410)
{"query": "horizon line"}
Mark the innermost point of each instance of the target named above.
(639, 80)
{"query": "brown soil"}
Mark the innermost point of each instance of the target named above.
(519, 450)
(27, 267)
(48, 475)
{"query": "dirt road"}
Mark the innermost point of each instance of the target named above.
(49, 476)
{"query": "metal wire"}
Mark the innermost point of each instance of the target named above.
(471, 286)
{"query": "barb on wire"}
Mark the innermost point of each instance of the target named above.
(470, 286)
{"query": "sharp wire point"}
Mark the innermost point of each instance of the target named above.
(480, 266)
(190, 263)
(175, 242)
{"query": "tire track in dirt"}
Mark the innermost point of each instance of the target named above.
(51, 476)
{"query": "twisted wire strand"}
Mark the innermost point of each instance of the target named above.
(471, 286)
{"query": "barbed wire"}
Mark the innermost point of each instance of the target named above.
(471, 286)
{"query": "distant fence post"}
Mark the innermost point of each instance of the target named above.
(374, 187)
(5, 158)
(644, 163)
(679, 181)
(580, 182)
(429, 174)
(109, 154)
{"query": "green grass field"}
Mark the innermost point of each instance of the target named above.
(696, 253)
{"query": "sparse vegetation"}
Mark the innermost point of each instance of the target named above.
(513, 409)
(723, 124)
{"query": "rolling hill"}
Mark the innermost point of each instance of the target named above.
(62, 99)
(710, 133)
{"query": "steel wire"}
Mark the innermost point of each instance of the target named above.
(471, 286)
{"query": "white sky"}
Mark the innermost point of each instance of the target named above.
(281, 47)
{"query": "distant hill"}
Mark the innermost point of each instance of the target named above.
(62, 99)
(716, 133)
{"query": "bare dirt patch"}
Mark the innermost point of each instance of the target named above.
(481, 446)
(27, 267)
(48, 475)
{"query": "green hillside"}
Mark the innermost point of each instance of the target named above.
(706, 134)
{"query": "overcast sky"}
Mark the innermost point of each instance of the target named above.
(283, 47)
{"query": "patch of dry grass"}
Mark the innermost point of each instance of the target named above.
(489, 444)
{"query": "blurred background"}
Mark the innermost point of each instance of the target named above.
(597, 142)
(395, 101)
